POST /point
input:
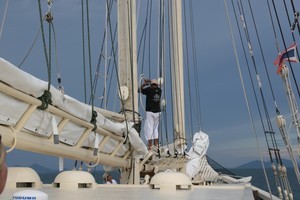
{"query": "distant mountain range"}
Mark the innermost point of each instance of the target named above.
(257, 164)
(41, 169)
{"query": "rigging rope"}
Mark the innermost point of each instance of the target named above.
(283, 172)
(106, 89)
(142, 50)
(4, 17)
(58, 69)
(283, 183)
(149, 39)
(170, 61)
(31, 47)
(263, 56)
(46, 97)
(271, 134)
(83, 51)
(195, 62)
(291, 100)
(188, 75)
(44, 43)
(118, 80)
(161, 40)
(270, 131)
(245, 94)
(284, 43)
(161, 69)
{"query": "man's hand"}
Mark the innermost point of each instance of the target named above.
(147, 81)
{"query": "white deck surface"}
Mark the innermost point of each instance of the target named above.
(131, 192)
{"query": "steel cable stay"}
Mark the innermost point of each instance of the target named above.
(93, 82)
(269, 133)
(192, 71)
(291, 100)
(110, 71)
(83, 64)
(161, 73)
(288, 85)
(171, 68)
(170, 33)
(103, 56)
(277, 110)
(31, 47)
(190, 137)
(161, 58)
(282, 124)
(285, 46)
(4, 18)
(58, 68)
(44, 44)
(160, 67)
(85, 15)
(284, 134)
(295, 23)
(281, 182)
(142, 50)
(195, 64)
(244, 89)
(149, 38)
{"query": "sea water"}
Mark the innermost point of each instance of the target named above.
(259, 180)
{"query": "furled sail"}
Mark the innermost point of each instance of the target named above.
(42, 123)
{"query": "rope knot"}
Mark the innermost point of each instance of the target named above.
(94, 119)
(46, 100)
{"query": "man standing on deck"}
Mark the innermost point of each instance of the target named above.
(153, 96)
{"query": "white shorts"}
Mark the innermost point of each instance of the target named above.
(151, 125)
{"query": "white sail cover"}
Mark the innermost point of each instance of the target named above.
(196, 155)
(41, 122)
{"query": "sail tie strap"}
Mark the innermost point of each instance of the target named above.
(97, 141)
(55, 130)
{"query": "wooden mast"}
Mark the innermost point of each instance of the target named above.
(177, 72)
(127, 58)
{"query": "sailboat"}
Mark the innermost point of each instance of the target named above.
(39, 117)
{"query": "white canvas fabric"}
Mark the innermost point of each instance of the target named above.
(40, 123)
(196, 155)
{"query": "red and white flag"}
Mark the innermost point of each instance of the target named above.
(288, 55)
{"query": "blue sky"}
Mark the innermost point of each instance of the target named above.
(224, 115)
